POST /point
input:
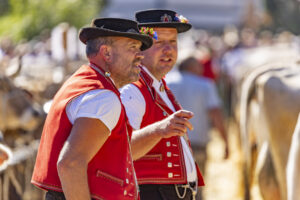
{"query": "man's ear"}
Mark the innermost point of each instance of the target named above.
(106, 52)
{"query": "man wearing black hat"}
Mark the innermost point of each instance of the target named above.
(84, 151)
(168, 170)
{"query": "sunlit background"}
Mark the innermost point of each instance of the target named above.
(39, 50)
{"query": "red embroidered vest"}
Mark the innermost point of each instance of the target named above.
(165, 163)
(111, 174)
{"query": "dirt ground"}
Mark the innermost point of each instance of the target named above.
(224, 179)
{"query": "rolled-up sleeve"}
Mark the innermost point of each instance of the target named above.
(100, 104)
(134, 104)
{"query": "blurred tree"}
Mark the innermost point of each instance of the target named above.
(285, 14)
(4, 7)
(25, 19)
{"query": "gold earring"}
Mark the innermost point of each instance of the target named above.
(107, 73)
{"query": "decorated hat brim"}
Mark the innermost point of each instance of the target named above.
(89, 33)
(181, 27)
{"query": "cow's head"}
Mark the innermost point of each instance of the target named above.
(17, 109)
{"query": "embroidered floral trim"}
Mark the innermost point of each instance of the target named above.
(180, 18)
(148, 31)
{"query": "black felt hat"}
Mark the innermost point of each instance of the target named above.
(162, 18)
(103, 27)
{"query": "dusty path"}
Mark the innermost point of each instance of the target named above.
(224, 177)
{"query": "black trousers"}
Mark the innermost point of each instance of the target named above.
(163, 192)
(53, 195)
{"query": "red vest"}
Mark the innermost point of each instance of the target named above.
(165, 163)
(111, 174)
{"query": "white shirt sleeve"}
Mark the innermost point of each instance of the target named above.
(134, 104)
(213, 100)
(100, 104)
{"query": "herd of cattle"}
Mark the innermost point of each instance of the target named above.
(25, 87)
(267, 105)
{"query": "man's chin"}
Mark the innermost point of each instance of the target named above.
(166, 68)
(136, 68)
(134, 77)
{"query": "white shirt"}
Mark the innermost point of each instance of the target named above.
(135, 106)
(100, 104)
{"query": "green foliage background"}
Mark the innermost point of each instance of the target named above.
(25, 19)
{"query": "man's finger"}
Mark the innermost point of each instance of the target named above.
(189, 125)
(178, 133)
(180, 127)
(184, 114)
(185, 122)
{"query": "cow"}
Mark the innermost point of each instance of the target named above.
(293, 166)
(19, 114)
(270, 103)
(17, 109)
(239, 63)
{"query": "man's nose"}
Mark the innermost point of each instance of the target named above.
(167, 47)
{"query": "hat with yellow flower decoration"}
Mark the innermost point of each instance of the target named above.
(103, 27)
(162, 18)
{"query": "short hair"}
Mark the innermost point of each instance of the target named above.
(93, 45)
(185, 64)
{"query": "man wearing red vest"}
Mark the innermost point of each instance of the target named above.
(168, 170)
(84, 151)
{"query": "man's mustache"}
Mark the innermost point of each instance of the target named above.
(137, 60)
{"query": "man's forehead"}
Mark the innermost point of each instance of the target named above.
(165, 29)
(170, 32)
(126, 40)
(163, 32)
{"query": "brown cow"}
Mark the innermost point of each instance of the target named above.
(17, 109)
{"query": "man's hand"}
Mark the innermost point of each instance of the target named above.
(175, 124)
(146, 138)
